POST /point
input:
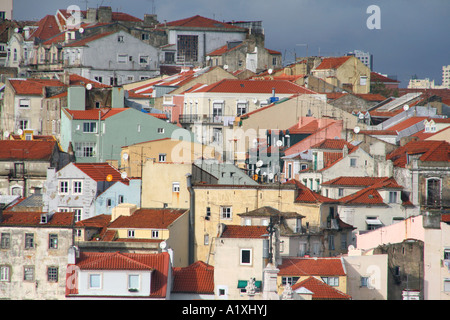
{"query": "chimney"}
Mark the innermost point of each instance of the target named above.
(123, 209)
(104, 14)
(117, 97)
(150, 20)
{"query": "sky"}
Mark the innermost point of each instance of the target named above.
(410, 38)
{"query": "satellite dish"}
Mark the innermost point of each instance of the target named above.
(225, 67)
(16, 30)
(271, 176)
(163, 245)
(279, 143)
(405, 107)
(255, 101)
(89, 86)
(19, 132)
(270, 71)
(356, 130)
(208, 58)
(259, 163)
(361, 116)
(351, 247)
(125, 156)
(123, 175)
(6, 134)
(81, 30)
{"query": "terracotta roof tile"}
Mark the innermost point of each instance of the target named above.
(311, 267)
(332, 62)
(375, 77)
(85, 41)
(201, 22)
(31, 86)
(93, 114)
(307, 195)
(59, 219)
(337, 144)
(98, 221)
(249, 232)
(27, 149)
(47, 28)
(354, 181)
(427, 150)
(101, 171)
(321, 290)
(196, 278)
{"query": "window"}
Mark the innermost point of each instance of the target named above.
(331, 281)
(122, 58)
(241, 108)
(77, 187)
(208, 213)
(446, 254)
(52, 274)
(289, 280)
(63, 187)
(28, 273)
(160, 130)
(53, 241)
(217, 109)
(5, 242)
(90, 127)
(447, 285)
(133, 282)
(352, 162)
(95, 281)
(145, 36)
(130, 234)
(109, 203)
(23, 124)
(246, 257)
(85, 149)
(362, 80)
(162, 157)
(225, 212)
(187, 47)
(434, 192)
(155, 234)
(24, 103)
(393, 197)
(143, 59)
(217, 135)
(331, 242)
(121, 199)
(29, 240)
(4, 273)
(206, 239)
(175, 187)
(364, 282)
(340, 192)
(120, 39)
(78, 214)
(78, 232)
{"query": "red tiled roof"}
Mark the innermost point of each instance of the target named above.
(256, 86)
(429, 150)
(98, 221)
(47, 28)
(148, 218)
(27, 149)
(196, 278)
(100, 171)
(201, 22)
(332, 62)
(31, 86)
(59, 219)
(311, 267)
(307, 195)
(321, 290)
(337, 144)
(223, 49)
(76, 79)
(354, 181)
(385, 114)
(407, 123)
(93, 114)
(249, 232)
(158, 262)
(371, 96)
(379, 132)
(376, 77)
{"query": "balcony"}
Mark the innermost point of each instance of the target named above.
(205, 118)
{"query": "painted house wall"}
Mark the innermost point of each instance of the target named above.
(113, 283)
(129, 193)
(86, 61)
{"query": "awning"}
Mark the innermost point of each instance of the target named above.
(242, 284)
(373, 222)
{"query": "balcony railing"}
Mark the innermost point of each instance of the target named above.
(205, 118)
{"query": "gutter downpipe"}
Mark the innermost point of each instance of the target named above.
(191, 219)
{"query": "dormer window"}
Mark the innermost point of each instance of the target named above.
(44, 218)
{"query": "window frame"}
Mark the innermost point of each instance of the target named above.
(65, 189)
(138, 282)
(29, 241)
(52, 274)
(90, 282)
(226, 214)
(53, 241)
(90, 127)
(5, 240)
(26, 274)
(176, 187)
(241, 257)
(77, 189)
(5, 273)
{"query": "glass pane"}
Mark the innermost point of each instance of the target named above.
(94, 281)
(133, 281)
